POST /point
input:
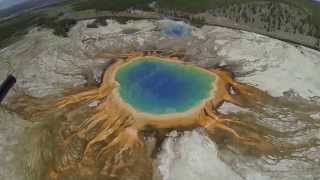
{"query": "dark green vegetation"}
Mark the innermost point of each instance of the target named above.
(301, 17)
(11, 30)
(114, 5)
(60, 27)
(97, 22)
(290, 16)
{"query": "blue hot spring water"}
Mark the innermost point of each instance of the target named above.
(176, 30)
(155, 86)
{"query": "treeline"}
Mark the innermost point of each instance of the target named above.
(198, 5)
(271, 16)
(112, 5)
(11, 30)
(191, 6)
(60, 27)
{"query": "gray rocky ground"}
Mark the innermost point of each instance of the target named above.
(12, 128)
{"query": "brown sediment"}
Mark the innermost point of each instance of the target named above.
(111, 135)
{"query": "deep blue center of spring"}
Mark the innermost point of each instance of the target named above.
(161, 87)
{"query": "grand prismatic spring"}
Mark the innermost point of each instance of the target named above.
(140, 93)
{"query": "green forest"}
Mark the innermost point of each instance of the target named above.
(12, 29)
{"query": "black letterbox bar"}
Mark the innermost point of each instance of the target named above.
(6, 86)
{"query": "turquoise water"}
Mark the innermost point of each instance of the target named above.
(176, 30)
(161, 87)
